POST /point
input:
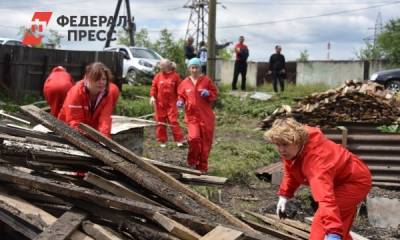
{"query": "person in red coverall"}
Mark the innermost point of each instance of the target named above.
(56, 87)
(197, 93)
(164, 94)
(338, 179)
(90, 101)
(114, 92)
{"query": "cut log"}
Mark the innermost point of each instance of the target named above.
(64, 226)
(28, 209)
(100, 232)
(222, 233)
(175, 228)
(278, 224)
(167, 179)
(117, 189)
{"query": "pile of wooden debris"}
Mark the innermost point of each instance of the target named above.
(71, 186)
(354, 102)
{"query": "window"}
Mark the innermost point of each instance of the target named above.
(144, 53)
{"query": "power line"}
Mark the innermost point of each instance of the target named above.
(309, 17)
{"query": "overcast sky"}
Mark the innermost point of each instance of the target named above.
(294, 24)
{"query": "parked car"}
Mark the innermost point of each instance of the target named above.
(11, 42)
(389, 78)
(139, 63)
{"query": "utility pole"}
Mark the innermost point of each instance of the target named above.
(130, 28)
(211, 56)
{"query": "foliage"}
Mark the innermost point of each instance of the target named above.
(141, 38)
(389, 41)
(133, 101)
(386, 46)
(370, 52)
(224, 54)
(304, 55)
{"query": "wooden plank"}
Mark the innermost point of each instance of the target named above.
(20, 120)
(148, 180)
(175, 228)
(168, 179)
(31, 210)
(354, 235)
(290, 222)
(100, 232)
(274, 232)
(117, 189)
(172, 168)
(81, 193)
(280, 225)
(222, 233)
(28, 226)
(64, 226)
(204, 179)
(28, 132)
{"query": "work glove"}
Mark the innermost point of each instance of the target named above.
(205, 93)
(332, 236)
(281, 206)
(152, 100)
(180, 104)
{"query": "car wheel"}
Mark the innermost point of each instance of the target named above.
(131, 77)
(394, 85)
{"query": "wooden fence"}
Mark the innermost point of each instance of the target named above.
(23, 70)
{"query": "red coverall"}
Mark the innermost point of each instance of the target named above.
(338, 179)
(77, 109)
(114, 92)
(200, 119)
(56, 87)
(164, 89)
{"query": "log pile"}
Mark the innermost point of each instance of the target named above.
(70, 186)
(353, 102)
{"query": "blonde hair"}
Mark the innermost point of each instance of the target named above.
(287, 131)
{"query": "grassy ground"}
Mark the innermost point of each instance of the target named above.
(238, 148)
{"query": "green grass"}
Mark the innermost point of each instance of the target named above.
(8, 104)
(238, 149)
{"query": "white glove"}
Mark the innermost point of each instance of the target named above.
(281, 206)
(152, 100)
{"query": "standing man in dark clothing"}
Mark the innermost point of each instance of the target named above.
(242, 53)
(277, 68)
(189, 49)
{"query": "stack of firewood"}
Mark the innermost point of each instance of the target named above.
(352, 102)
(67, 185)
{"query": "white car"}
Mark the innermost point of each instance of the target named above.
(10, 42)
(139, 63)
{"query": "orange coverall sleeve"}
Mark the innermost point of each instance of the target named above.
(105, 120)
(153, 89)
(213, 91)
(289, 184)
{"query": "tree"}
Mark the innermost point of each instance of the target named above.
(389, 41)
(304, 55)
(169, 48)
(370, 52)
(141, 38)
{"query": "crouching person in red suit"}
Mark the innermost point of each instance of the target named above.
(338, 179)
(90, 101)
(56, 87)
(196, 94)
